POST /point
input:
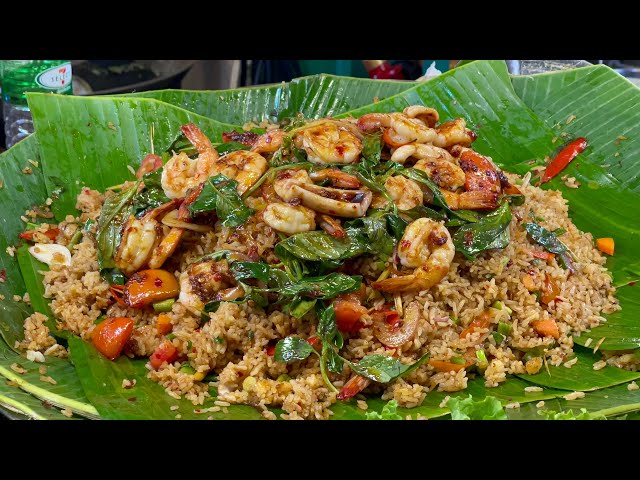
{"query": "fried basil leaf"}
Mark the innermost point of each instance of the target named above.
(489, 232)
(383, 369)
(220, 195)
(551, 243)
(291, 349)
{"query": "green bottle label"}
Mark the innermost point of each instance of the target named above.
(56, 77)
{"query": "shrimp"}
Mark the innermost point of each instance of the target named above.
(245, 167)
(205, 281)
(481, 173)
(331, 225)
(436, 162)
(427, 247)
(454, 133)
(405, 193)
(289, 218)
(269, 142)
(475, 200)
(139, 239)
(329, 142)
(337, 177)
(399, 129)
(181, 173)
(296, 185)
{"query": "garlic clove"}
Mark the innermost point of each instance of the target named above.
(51, 254)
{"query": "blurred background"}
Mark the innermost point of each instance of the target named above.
(101, 77)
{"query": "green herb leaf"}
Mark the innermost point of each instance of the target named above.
(291, 349)
(383, 369)
(388, 412)
(220, 194)
(114, 214)
(318, 246)
(550, 242)
(569, 415)
(473, 238)
(371, 150)
(489, 408)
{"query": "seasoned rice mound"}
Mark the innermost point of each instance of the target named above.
(233, 343)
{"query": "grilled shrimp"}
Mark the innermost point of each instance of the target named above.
(405, 193)
(481, 173)
(181, 173)
(205, 281)
(399, 129)
(337, 177)
(269, 142)
(139, 239)
(296, 185)
(243, 166)
(329, 142)
(427, 247)
(436, 162)
(454, 133)
(289, 218)
(475, 200)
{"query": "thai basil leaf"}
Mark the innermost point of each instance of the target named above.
(298, 308)
(421, 211)
(421, 177)
(318, 246)
(321, 288)
(489, 408)
(228, 147)
(397, 225)
(388, 412)
(374, 227)
(245, 270)
(291, 349)
(473, 238)
(181, 145)
(371, 149)
(220, 194)
(114, 214)
(327, 327)
(383, 369)
(515, 200)
(333, 360)
(550, 242)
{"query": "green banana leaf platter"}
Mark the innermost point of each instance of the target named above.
(91, 141)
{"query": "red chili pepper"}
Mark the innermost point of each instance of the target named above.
(563, 158)
(52, 234)
(271, 348)
(313, 340)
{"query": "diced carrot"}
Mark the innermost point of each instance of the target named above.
(550, 291)
(605, 245)
(546, 328)
(110, 336)
(442, 366)
(528, 282)
(163, 324)
(165, 352)
(481, 321)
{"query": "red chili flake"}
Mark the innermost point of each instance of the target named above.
(271, 348)
(3, 275)
(157, 282)
(313, 340)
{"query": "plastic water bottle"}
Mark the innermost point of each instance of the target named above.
(20, 76)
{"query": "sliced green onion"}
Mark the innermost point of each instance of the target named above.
(186, 368)
(88, 224)
(498, 305)
(504, 328)
(458, 360)
(482, 359)
(283, 378)
(498, 337)
(171, 336)
(164, 306)
(75, 239)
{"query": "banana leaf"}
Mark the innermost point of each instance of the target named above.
(510, 132)
(602, 106)
(610, 402)
(314, 96)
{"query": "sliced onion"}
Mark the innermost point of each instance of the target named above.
(396, 338)
(171, 220)
(51, 254)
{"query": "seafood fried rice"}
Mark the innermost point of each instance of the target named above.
(320, 262)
